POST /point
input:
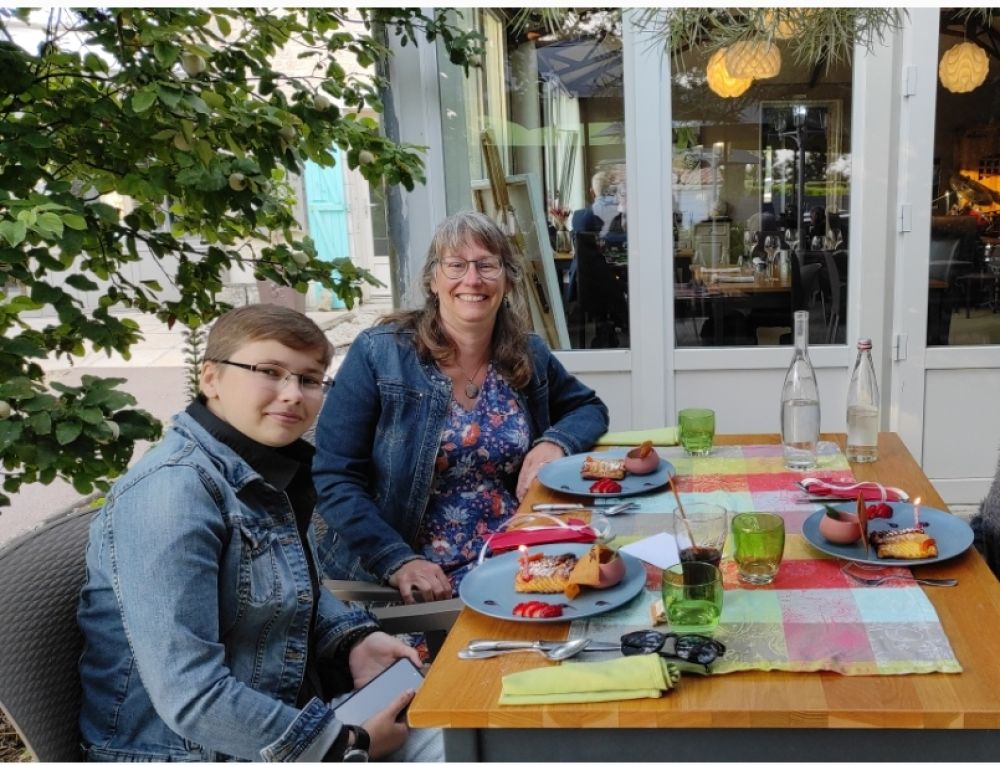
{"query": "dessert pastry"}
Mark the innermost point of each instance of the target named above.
(594, 467)
(601, 567)
(544, 573)
(908, 544)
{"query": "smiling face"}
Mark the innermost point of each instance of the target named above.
(270, 413)
(470, 302)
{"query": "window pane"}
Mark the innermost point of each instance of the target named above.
(964, 273)
(761, 192)
(553, 107)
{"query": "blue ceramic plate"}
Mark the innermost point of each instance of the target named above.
(489, 588)
(564, 475)
(953, 535)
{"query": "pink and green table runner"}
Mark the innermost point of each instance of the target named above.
(813, 617)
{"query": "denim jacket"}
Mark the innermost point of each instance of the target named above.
(379, 433)
(196, 614)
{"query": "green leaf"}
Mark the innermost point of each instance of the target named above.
(143, 99)
(165, 53)
(170, 96)
(67, 431)
(13, 231)
(10, 431)
(74, 221)
(213, 99)
(41, 423)
(94, 63)
(50, 223)
(90, 415)
(223, 25)
(81, 282)
(832, 512)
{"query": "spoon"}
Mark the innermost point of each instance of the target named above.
(567, 650)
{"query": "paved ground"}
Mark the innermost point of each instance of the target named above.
(155, 375)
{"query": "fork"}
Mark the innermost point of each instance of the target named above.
(875, 581)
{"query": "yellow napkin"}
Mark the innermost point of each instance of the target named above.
(630, 677)
(659, 436)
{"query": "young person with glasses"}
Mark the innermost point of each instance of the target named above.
(208, 634)
(441, 419)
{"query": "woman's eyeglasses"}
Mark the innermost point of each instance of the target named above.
(278, 377)
(488, 268)
(698, 649)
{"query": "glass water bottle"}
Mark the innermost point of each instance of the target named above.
(862, 407)
(800, 403)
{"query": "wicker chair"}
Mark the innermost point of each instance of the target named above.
(41, 574)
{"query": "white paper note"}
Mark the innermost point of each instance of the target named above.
(659, 549)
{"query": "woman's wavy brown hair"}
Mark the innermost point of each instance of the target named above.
(510, 334)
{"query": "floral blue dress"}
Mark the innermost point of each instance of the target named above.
(474, 477)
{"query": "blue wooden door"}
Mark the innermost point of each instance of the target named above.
(326, 208)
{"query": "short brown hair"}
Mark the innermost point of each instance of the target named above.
(260, 321)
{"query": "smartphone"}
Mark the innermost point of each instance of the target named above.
(376, 695)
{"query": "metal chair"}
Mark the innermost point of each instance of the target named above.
(433, 619)
(41, 574)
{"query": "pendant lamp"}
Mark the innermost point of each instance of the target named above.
(720, 81)
(963, 67)
(756, 59)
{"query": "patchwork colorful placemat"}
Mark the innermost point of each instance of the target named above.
(813, 617)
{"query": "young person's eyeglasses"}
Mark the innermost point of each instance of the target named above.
(278, 377)
(488, 268)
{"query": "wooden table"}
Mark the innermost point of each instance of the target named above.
(764, 292)
(747, 715)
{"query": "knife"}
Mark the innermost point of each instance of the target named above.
(510, 645)
(556, 507)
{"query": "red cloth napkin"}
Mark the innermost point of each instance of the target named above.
(870, 490)
(575, 530)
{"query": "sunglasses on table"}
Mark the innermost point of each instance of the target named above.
(696, 649)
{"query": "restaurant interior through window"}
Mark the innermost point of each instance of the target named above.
(964, 273)
(535, 139)
(761, 192)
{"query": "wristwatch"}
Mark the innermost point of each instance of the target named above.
(358, 751)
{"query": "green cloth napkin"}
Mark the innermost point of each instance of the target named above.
(630, 677)
(659, 436)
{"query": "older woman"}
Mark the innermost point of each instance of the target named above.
(440, 420)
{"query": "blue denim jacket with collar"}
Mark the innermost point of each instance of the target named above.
(379, 433)
(196, 614)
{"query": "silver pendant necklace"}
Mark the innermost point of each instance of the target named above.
(472, 390)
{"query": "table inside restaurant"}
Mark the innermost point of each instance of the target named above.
(763, 291)
(745, 715)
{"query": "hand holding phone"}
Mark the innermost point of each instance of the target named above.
(379, 692)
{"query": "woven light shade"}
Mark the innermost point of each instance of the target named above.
(720, 81)
(963, 67)
(757, 59)
(783, 30)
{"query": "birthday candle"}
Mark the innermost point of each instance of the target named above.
(524, 558)
(916, 513)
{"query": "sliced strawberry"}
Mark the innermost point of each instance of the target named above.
(879, 510)
(519, 609)
(551, 611)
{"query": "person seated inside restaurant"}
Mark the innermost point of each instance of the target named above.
(817, 224)
(594, 218)
(440, 420)
(207, 633)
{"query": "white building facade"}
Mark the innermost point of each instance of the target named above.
(878, 146)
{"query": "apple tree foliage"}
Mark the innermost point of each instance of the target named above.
(192, 121)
